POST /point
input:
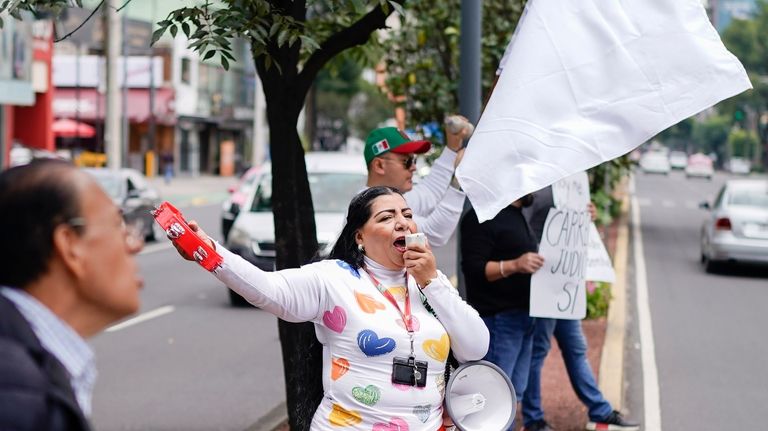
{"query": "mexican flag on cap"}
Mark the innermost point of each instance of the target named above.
(391, 139)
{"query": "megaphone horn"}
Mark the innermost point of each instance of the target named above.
(480, 397)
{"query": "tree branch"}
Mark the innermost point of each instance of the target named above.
(93, 12)
(356, 34)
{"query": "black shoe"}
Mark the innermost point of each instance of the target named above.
(538, 426)
(613, 422)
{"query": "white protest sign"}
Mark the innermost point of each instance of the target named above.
(599, 265)
(558, 288)
(572, 192)
(587, 81)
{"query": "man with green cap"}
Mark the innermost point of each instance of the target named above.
(436, 201)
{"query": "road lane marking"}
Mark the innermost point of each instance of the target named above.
(645, 202)
(651, 399)
(691, 205)
(157, 312)
(667, 203)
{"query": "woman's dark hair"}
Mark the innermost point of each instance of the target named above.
(34, 199)
(358, 214)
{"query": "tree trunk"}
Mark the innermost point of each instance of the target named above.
(294, 230)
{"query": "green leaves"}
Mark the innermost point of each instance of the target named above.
(422, 56)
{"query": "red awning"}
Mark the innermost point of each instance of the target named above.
(92, 103)
(66, 128)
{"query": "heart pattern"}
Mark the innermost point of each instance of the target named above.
(406, 388)
(343, 418)
(335, 320)
(345, 266)
(422, 412)
(339, 367)
(398, 292)
(437, 349)
(414, 321)
(368, 395)
(370, 343)
(367, 303)
(395, 424)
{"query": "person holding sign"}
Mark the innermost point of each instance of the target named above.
(372, 305)
(573, 346)
(498, 258)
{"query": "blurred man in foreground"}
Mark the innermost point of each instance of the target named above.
(66, 273)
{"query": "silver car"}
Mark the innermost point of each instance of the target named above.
(135, 197)
(334, 178)
(736, 229)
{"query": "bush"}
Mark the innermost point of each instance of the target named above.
(598, 298)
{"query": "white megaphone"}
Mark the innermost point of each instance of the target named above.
(480, 397)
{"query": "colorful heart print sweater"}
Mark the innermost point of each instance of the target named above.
(361, 332)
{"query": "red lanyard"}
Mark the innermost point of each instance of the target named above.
(407, 314)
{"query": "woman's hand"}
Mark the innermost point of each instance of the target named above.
(420, 263)
(528, 263)
(197, 231)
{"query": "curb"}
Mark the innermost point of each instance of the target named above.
(611, 374)
(272, 420)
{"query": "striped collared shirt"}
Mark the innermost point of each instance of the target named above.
(61, 341)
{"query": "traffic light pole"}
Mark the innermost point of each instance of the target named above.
(470, 49)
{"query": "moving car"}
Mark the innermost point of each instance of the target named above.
(678, 160)
(739, 166)
(699, 165)
(238, 194)
(736, 229)
(133, 194)
(334, 178)
(655, 162)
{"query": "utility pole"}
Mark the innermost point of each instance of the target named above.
(469, 58)
(112, 135)
(470, 68)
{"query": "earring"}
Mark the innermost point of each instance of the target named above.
(361, 248)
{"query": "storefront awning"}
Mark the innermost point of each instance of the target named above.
(91, 105)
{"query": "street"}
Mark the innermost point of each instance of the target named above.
(707, 329)
(191, 361)
(201, 366)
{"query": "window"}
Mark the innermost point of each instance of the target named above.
(331, 192)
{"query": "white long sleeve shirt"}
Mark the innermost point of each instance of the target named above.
(361, 332)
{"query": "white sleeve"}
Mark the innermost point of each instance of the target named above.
(468, 333)
(294, 295)
(425, 195)
(440, 224)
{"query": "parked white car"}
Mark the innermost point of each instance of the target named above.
(654, 162)
(699, 165)
(736, 229)
(678, 160)
(334, 178)
(739, 166)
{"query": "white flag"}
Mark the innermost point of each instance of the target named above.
(587, 81)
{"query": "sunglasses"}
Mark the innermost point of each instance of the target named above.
(407, 163)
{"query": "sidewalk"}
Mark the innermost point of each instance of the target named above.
(185, 190)
(605, 338)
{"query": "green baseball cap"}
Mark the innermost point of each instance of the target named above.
(390, 139)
